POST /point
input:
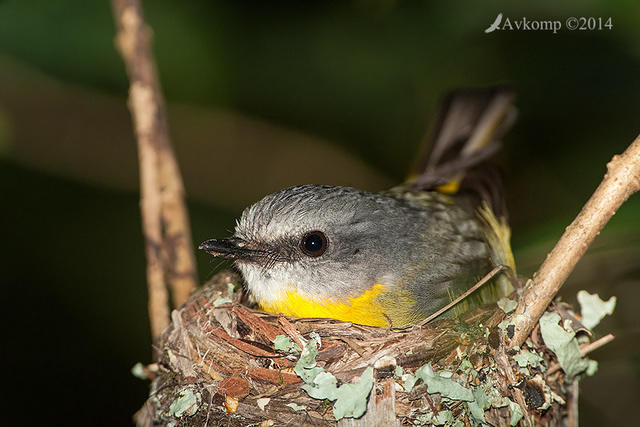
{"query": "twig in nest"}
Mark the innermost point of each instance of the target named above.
(355, 347)
(165, 221)
(291, 331)
(482, 281)
(504, 362)
(584, 350)
(622, 180)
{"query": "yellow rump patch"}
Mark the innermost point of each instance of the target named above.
(364, 309)
(450, 187)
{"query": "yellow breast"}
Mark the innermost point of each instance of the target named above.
(364, 309)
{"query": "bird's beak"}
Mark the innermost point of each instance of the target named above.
(232, 248)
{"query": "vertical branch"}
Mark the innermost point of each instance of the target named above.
(572, 404)
(165, 222)
(622, 180)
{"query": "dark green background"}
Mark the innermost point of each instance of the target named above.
(260, 97)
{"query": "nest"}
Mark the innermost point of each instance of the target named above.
(218, 364)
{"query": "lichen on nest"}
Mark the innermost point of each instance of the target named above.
(220, 362)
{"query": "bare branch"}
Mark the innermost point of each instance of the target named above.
(165, 221)
(621, 180)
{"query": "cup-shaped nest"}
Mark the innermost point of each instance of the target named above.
(223, 363)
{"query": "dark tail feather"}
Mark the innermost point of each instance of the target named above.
(466, 135)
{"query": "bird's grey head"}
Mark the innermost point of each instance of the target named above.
(321, 241)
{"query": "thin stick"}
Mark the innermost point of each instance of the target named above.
(482, 281)
(504, 363)
(572, 405)
(621, 180)
(584, 350)
(588, 348)
(165, 222)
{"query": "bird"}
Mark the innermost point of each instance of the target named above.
(394, 257)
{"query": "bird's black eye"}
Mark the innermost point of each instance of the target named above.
(314, 243)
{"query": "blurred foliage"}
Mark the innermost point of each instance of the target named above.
(266, 95)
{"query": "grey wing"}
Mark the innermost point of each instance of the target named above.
(453, 256)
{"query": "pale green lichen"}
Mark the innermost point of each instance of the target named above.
(225, 300)
(138, 371)
(443, 417)
(505, 324)
(398, 372)
(564, 344)
(442, 383)
(467, 368)
(478, 405)
(477, 399)
(594, 309)
(507, 305)
(284, 343)
(350, 399)
(409, 382)
(187, 403)
(526, 358)
(516, 413)
(296, 407)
